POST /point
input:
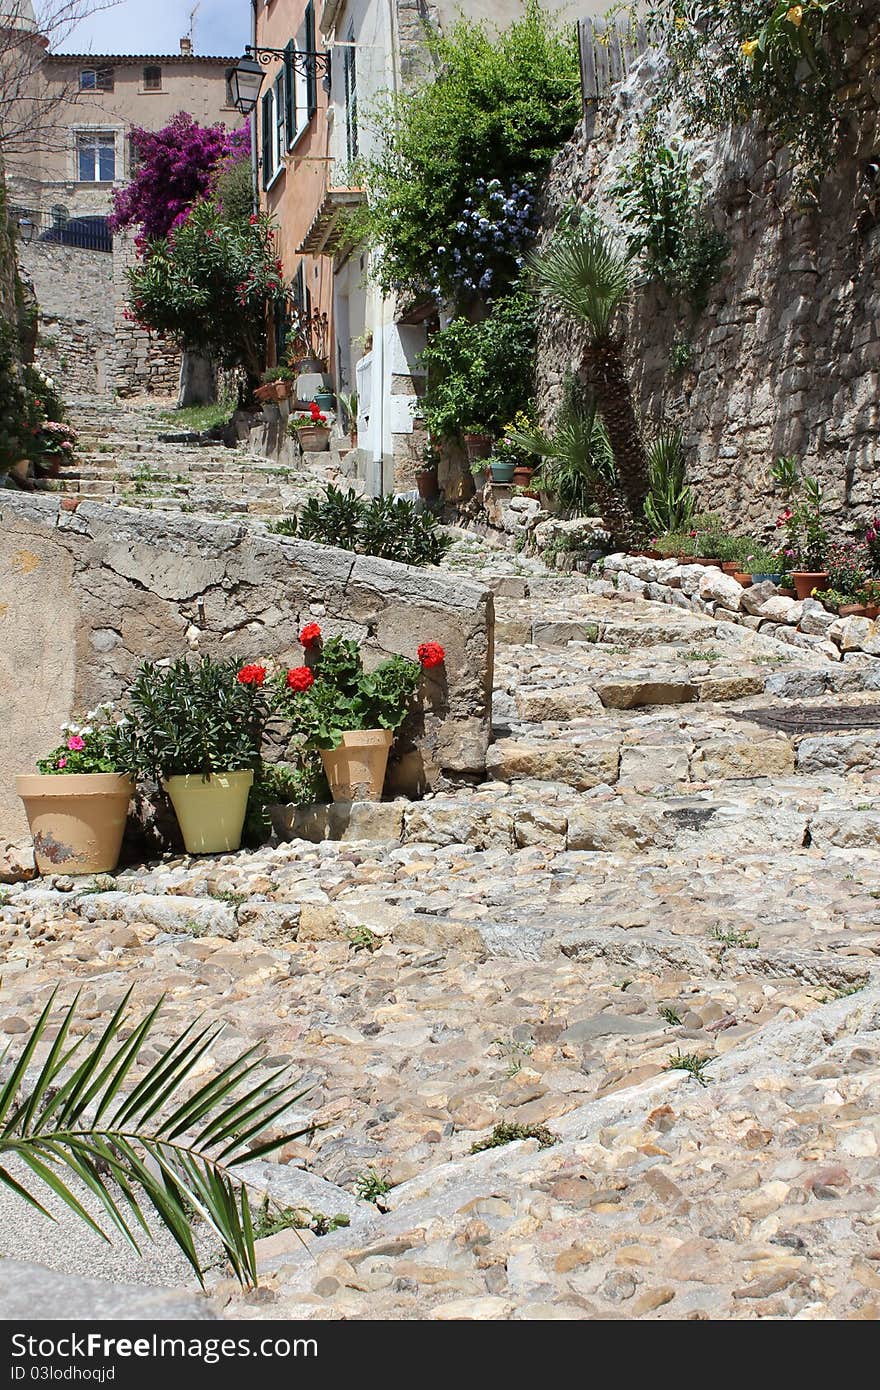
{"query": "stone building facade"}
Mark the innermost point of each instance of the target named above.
(786, 357)
(67, 169)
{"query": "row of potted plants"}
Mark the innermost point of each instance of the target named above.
(196, 729)
(844, 576)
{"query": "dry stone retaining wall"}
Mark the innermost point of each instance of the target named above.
(86, 340)
(88, 595)
(786, 357)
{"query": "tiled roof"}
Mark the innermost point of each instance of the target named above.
(120, 59)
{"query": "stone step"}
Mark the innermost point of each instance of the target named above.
(721, 749)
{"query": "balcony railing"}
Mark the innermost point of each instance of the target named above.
(87, 233)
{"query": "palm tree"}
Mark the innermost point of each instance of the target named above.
(583, 272)
(131, 1151)
(577, 464)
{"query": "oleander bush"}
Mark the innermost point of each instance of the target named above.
(388, 527)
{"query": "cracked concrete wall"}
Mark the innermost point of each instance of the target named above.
(85, 596)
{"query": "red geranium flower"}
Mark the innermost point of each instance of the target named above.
(431, 654)
(252, 674)
(310, 635)
(300, 678)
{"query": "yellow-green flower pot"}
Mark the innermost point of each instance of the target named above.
(210, 810)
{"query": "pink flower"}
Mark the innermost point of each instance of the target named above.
(75, 743)
(62, 762)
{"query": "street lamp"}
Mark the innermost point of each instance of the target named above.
(246, 78)
(26, 230)
(245, 81)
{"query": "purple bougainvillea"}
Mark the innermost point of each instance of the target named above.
(175, 167)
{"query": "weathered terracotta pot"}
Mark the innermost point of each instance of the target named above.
(266, 392)
(852, 610)
(313, 439)
(427, 484)
(210, 811)
(805, 581)
(356, 768)
(478, 446)
(77, 821)
(742, 578)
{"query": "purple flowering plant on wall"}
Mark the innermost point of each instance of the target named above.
(176, 166)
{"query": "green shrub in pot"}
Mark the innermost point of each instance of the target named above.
(196, 726)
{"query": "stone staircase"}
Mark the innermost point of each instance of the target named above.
(122, 460)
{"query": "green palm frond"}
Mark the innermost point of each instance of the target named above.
(584, 272)
(669, 504)
(160, 1144)
(575, 455)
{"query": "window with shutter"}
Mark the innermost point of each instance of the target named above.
(290, 93)
(268, 138)
(311, 80)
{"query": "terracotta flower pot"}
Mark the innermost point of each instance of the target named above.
(742, 578)
(852, 610)
(805, 581)
(427, 484)
(265, 393)
(77, 821)
(283, 389)
(356, 769)
(522, 475)
(314, 439)
(210, 811)
(478, 446)
(730, 566)
(872, 611)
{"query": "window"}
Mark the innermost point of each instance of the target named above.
(96, 80)
(96, 157)
(280, 119)
(268, 140)
(152, 79)
(349, 74)
(60, 215)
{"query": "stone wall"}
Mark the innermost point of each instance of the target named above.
(145, 363)
(86, 341)
(87, 595)
(786, 357)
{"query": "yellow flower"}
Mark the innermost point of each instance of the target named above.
(680, 22)
(795, 14)
(749, 47)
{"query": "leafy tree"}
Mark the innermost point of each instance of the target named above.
(498, 107)
(176, 166)
(481, 374)
(210, 284)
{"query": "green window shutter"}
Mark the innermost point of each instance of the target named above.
(312, 80)
(267, 139)
(290, 93)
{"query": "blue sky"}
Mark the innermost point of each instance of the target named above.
(156, 26)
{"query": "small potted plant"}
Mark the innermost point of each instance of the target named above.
(349, 406)
(196, 727)
(311, 428)
(77, 801)
(806, 540)
(349, 714)
(426, 474)
(478, 473)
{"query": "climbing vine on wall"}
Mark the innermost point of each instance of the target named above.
(662, 203)
(783, 63)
